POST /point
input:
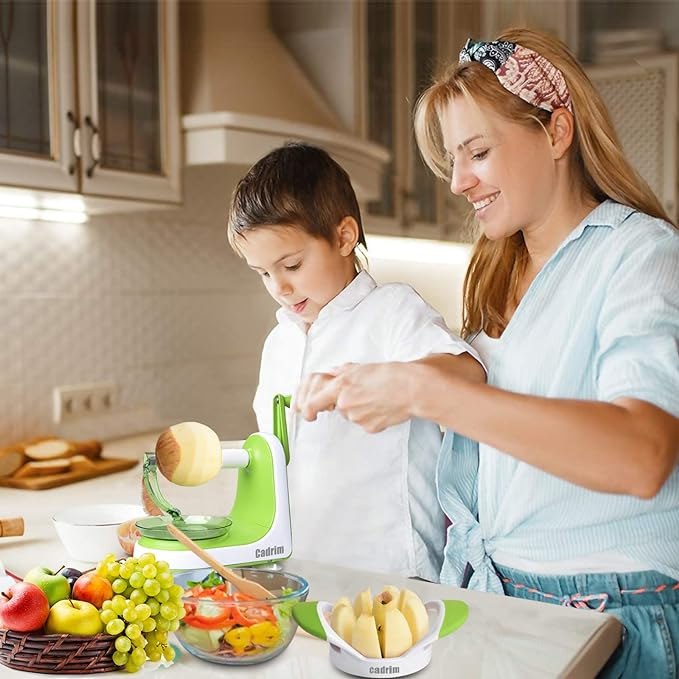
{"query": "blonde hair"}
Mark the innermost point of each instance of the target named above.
(597, 163)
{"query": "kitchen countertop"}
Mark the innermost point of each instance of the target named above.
(503, 637)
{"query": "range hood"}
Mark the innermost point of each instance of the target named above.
(243, 94)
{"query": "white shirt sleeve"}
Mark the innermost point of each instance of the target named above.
(417, 329)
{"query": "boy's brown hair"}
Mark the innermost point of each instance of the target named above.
(295, 185)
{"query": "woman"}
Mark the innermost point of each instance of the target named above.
(571, 495)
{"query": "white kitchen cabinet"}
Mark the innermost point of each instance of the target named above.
(559, 17)
(383, 51)
(383, 55)
(91, 105)
(404, 44)
(38, 118)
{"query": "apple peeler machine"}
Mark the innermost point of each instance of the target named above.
(256, 532)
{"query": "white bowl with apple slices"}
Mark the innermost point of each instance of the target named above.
(89, 532)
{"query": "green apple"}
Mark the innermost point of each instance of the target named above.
(54, 585)
(79, 618)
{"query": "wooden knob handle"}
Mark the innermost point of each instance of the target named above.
(13, 526)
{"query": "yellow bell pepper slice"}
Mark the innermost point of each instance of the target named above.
(265, 634)
(238, 638)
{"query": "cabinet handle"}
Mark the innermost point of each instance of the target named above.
(75, 142)
(95, 148)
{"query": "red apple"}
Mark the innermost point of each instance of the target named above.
(93, 588)
(24, 607)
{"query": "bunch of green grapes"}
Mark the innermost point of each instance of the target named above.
(145, 608)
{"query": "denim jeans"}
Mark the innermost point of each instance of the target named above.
(650, 641)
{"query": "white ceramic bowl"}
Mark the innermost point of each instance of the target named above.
(89, 532)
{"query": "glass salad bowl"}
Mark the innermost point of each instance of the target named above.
(221, 625)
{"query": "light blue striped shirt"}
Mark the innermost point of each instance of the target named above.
(600, 321)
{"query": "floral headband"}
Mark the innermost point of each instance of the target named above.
(522, 72)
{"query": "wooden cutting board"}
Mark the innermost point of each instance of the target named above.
(86, 469)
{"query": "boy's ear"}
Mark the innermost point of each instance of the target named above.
(347, 235)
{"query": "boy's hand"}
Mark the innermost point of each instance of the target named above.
(316, 393)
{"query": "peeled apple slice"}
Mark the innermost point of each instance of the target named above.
(415, 613)
(364, 638)
(393, 590)
(385, 601)
(343, 620)
(342, 601)
(385, 627)
(363, 603)
(394, 634)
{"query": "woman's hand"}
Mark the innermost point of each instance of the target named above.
(374, 395)
(316, 393)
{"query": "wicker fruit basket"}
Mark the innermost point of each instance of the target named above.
(57, 653)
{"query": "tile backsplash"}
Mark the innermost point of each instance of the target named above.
(156, 302)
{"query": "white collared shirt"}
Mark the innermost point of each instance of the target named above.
(357, 499)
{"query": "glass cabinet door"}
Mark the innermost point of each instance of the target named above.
(37, 120)
(129, 98)
(381, 95)
(24, 116)
(402, 47)
(128, 86)
(424, 184)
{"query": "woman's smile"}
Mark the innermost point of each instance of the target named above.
(481, 205)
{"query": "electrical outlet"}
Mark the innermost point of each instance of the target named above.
(77, 401)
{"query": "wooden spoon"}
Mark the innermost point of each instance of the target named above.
(244, 585)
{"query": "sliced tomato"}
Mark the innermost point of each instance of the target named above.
(251, 615)
(209, 622)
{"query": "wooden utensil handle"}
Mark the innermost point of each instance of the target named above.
(204, 555)
(13, 526)
(243, 584)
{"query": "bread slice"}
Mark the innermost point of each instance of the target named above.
(10, 460)
(43, 468)
(51, 448)
(48, 449)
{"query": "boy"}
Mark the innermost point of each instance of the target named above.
(360, 500)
